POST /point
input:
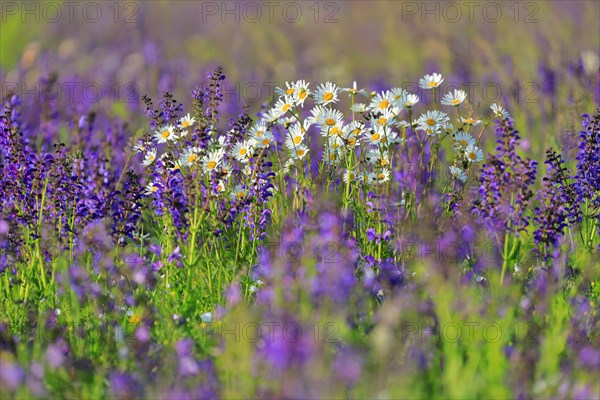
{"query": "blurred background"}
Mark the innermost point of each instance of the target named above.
(538, 58)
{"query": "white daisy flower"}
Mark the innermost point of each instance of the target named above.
(394, 138)
(403, 124)
(150, 189)
(264, 141)
(376, 136)
(187, 121)
(458, 173)
(141, 147)
(398, 95)
(380, 159)
(242, 151)
(454, 98)
(149, 158)
(499, 111)
(359, 107)
(295, 135)
(381, 102)
(225, 169)
(447, 127)
(301, 91)
(464, 139)
(431, 81)
(378, 177)
(332, 156)
(410, 100)
(386, 118)
(352, 176)
(354, 128)
(166, 133)
(270, 116)
(326, 93)
(247, 170)
(190, 156)
(297, 91)
(330, 118)
(335, 143)
(283, 106)
(430, 131)
(299, 152)
(333, 130)
(432, 119)
(258, 130)
(353, 91)
(352, 141)
(383, 176)
(220, 187)
(470, 121)
(286, 122)
(221, 140)
(212, 160)
(473, 153)
(238, 193)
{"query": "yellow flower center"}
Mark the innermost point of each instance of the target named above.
(300, 152)
(185, 124)
(240, 195)
(289, 91)
(384, 162)
(151, 157)
(456, 102)
(286, 107)
(192, 158)
(463, 142)
(336, 131)
(211, 164)
(472, 156)
(166, 134)
(332, 157)
(351, 141)
(328, 96)
(330, 121)
(381, 176)
(382, 121)
(469, 120)
(430, 121)
(243, 151)
(259, 133)
(432, 84)
(265, 141)
(303, 94)
(375, 136)
(356, 131)
(154, 189)
(297, 139)
(384, 104)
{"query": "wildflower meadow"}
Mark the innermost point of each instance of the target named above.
(302, 200)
